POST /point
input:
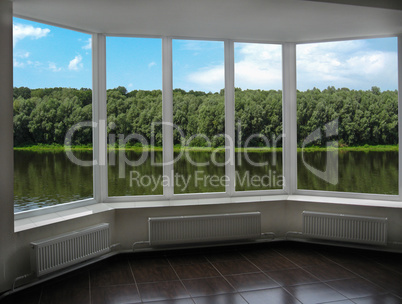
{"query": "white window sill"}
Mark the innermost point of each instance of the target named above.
(65, 215)
(345, 201)
(57, 217)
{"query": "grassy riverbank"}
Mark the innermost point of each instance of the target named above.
(61, 148)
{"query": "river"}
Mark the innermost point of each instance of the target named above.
(50, 178)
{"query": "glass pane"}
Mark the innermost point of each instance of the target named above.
(199, 116)
(258, 116)
(52, 96)
(134, 110)
(347, 116)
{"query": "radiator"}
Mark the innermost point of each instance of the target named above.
(58, 252)
(349, 228)
(204, 228)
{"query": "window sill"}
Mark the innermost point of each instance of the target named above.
(345, 201)
(32, 222)
(57, 217)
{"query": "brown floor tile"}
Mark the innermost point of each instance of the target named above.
(379, 299)
(230, 298)
(274, 263)
(385, 278)
(187, 259)
(361, 275)
(65, 296)
(162, 291)
(339, 302)
(306, 258)
(291, 277)
(76, 279)
(258, 254)
(392, 261)
(193, 271)
(115, 294)
(27, 296)
(176, 301)
(113, 272)
(154, 274)
(394, 265)
(356, 288)
(330, 272)
(345, 256)
(224, 256)
(315, 293)
(207, 287)
(147, 262)
(364, 268)
(268, 296)
(251, 281)
(235, 267)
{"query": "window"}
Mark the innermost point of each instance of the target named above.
(199, 116)
(347, 116)
(52, 95)
(258, 116)
(134, 110)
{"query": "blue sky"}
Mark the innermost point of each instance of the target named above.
(47, 56)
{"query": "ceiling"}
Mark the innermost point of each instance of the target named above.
(251, 20)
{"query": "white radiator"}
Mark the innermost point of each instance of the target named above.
(349, 228)
(58, 252)
(204, 228)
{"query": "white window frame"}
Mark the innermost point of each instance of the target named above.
(289, 110)
(352, 195)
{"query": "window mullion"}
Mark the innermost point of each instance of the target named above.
(229, 117)
(99, 117)
(289, 117)
(167, 116)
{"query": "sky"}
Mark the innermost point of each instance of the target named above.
(48, 56)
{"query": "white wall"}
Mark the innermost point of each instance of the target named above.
(277, 216)
(131, 225)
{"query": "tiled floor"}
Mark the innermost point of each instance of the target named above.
(277, 272)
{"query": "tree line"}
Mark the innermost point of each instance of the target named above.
(365, 117)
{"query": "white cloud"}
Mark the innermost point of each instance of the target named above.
(34, 63)
(88, 45)
(53, 67)
(208, 76)
(355, 64)
(351, 64)
(21, 31)
(76, 63)
(259, 66)
(17, 57)
(151, 64)
(22, 55)
(18, 64)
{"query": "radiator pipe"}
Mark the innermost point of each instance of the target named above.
(139, 243)
(268, 234)
(293, 232)
(20, 278)
(114, 245)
